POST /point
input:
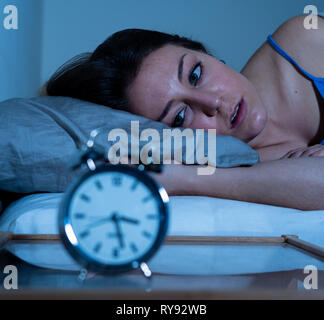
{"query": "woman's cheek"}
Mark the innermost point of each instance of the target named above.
(198, 120)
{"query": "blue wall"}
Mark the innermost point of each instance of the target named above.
(20, 50)
(52, 31)
(232, 29)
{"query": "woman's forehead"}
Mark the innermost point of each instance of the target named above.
(155, 78)
(163, 58)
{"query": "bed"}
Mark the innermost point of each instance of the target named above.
(42, 137)
(189, 217)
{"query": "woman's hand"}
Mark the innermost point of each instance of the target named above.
(304, 152)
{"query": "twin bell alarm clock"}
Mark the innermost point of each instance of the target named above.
(113, 218)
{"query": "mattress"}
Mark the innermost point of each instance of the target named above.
(189, 216)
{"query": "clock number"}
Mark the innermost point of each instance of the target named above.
(97, 247)
(116, 181)
(134, 185)
(115, 253)
(98, 185)
(84, 233)
(79, 215)
(133, 247)
(146, 234)
(147, 198)
(85, 198)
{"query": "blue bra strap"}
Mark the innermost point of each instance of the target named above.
(319, 82)
(285, 55)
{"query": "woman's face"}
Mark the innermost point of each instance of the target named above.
(186, 88)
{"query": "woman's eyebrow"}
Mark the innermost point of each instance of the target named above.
(169, 104)
(180, 67)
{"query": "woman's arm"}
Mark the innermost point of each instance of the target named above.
(295, 183)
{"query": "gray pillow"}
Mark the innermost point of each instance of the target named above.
(40, 135)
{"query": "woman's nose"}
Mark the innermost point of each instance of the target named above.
(208, 102)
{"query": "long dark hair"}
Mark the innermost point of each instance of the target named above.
(103, 76)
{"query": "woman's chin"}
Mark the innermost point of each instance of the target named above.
(254, 134)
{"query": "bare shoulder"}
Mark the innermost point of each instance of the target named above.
(296, 40)
(278, 81)
(293, 31)
(306, 46)
(297, 24)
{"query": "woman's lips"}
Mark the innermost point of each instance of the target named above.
(240, 116)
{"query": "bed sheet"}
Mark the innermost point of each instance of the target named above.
(189, 216)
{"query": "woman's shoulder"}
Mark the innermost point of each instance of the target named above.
(305, 46)
(299, 28)
(278, 78)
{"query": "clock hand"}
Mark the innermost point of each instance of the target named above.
(116, 220)
(99, 222)
(130, 220)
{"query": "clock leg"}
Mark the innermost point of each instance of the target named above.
(82, 275)
(146, 270)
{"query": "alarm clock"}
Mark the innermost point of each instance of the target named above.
(113, 218)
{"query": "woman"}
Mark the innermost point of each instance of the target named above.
(272, 105)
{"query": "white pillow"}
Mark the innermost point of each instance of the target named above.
(37, 214)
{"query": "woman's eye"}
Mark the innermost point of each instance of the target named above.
(195, 75)
(179, 119)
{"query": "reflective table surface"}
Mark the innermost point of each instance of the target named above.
(287, 280)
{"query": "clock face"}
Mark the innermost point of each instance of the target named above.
(115, 218)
